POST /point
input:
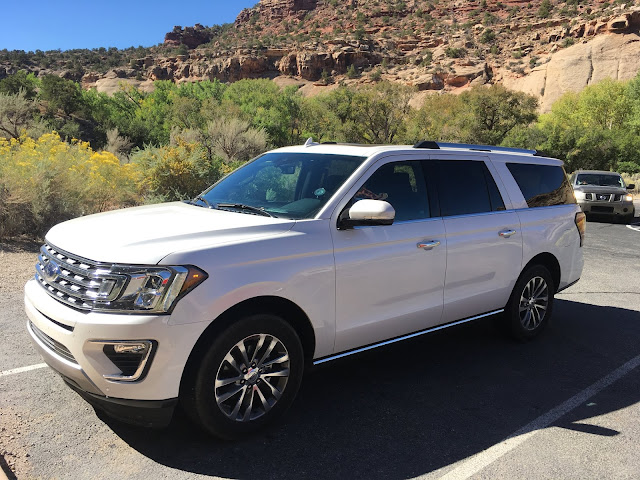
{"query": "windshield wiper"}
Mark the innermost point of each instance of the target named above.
(241, 206)
(204, 200)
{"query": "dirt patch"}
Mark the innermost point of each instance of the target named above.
(11, 436)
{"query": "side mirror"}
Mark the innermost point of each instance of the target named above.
(631, 186)
(368, 213)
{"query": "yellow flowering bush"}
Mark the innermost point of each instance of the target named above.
(46, 180)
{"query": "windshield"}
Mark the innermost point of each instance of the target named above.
(600, 179)
(289, 185)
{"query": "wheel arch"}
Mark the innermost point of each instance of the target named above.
(550, 262)
(282, 307)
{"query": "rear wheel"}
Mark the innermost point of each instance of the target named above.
(249, 376)
(531, 303)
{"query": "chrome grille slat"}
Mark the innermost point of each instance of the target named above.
(53, 345)
(62, 287)
(76, 281)
(66, 264)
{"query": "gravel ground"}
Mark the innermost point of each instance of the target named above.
(17, 259)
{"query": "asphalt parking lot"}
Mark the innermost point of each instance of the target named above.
(462, 403)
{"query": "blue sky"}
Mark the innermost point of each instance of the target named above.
(66, 24)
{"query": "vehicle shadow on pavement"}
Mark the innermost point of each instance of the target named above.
(413, 408)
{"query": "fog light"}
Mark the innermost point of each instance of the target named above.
(131, 347)
(131, 357)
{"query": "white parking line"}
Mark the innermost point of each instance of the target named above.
(22, 369)
(634, 227)
(481, 460)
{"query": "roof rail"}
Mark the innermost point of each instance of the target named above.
(430, 144)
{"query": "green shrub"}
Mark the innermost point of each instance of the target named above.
(453, 52)
(175, 172)
(487, 36)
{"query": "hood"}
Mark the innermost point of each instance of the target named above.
(145, 235)
(599, 189)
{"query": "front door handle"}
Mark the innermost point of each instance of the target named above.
(429, 245)
(506, 233)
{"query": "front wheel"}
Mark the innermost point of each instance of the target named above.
(531, 303)
(249, 376)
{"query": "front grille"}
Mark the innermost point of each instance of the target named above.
(617, 198)
(603, 197)
(589, 196)
(75, 281)
(52, 344)
(599, 209)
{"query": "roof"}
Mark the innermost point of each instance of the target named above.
(599, 172)
(364, 150)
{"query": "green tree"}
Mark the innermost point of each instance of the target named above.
(265, 106)
(20, 80)
(60, 94)
(440, 119)
(495, 111)
(629, 167)
(594, 128)
(380, 112)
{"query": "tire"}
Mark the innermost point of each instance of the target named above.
(627, 219)
(531, 303)
(230, 393)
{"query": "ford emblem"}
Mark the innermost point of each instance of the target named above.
(51, 271)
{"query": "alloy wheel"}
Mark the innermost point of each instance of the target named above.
(534, 301)
(252, 377)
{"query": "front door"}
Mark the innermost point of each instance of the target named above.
(390, 279)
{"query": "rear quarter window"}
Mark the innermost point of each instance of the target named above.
(542, 185)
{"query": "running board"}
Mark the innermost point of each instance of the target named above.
(405, 337)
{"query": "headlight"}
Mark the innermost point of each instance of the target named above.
(148, 289)
(579, 195)
(627, 198)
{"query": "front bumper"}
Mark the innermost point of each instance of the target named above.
(69, 342)
(618, 209)
(145, 413)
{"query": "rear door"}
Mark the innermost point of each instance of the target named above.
(484, 241)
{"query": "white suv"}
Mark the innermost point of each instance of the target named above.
(304, 255)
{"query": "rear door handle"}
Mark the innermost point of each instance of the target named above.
(506, 233)
(429, 245)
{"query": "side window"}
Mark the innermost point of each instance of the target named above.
(401, 184)
(466, 187)
(542, 185)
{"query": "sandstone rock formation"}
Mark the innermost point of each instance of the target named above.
(192, 37)
(271, 10)
(573, 68)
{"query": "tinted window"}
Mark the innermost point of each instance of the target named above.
(402, 185)
(466, 187)
(542, 185)
(290, 185)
